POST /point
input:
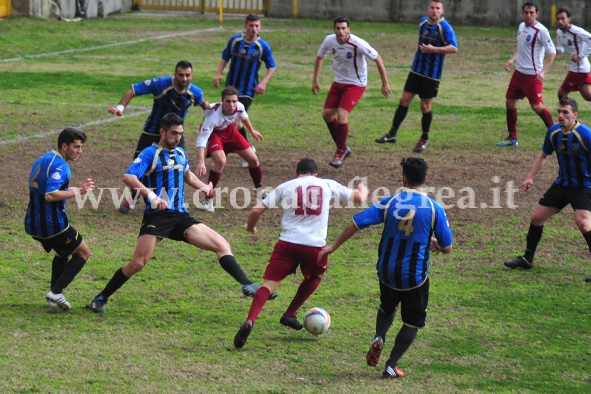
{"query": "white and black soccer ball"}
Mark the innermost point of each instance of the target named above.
(317, 321)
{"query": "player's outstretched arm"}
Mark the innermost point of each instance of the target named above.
(118, 110)
(60, 195)
(253, 217)
(347, 233)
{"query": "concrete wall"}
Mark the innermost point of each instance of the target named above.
(459, 12)
(68, 8)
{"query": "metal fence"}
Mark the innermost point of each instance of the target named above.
(259, 7)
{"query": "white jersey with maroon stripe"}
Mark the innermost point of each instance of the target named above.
(532, 43)
(214, 118)
(575, 41)
(306, 201)
(348, 59)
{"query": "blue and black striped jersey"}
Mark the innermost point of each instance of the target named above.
(573, 152)
(167, 100)
(410, 219)
(245, 59)
(163, 172)
(440, 34)
(45, 219)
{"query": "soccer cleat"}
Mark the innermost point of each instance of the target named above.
(508, 142)
(251, 289)
(340, 158)
(373, 355)
(59, 300)
(244, 162)
(291, 322)
(261, 192)
(124, 207)
(242, 334)
(207, 204)
(421, 145)
(97, 304)
(386, 138)
(588, 279)
(519, 262)
(392, 372)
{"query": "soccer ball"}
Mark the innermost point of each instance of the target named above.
(317, 321)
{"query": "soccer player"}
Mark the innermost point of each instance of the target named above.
(576, 43)
(436, 39)
(306, 201)
(171, 95)
(246, 52)
(571, 141)
(159, 174)
(350, 69)
(218, 136)
(47, 221)
(533, 41)
(414, 225)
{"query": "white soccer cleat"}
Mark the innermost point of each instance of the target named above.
(58, 299)
(207, 205)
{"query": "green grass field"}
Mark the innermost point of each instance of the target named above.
(170, 328)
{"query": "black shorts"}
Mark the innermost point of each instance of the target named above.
(558, 196)
(246, 101)
(64, 243)
(426, 88)
(147, 139)
(167, 224)
(413, 303)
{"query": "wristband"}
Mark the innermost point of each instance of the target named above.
(151, 196)
(120, 107)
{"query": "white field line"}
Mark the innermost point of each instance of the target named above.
(115, 44)
(42, 134)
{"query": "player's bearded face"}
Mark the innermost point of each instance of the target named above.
(172, 137)
(183, 77)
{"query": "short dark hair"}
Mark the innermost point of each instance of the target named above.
(229, 91)
(252, 18)
(564, 10)
(340, 19)
(306, 166)
(169, 120)
(69, 135)
(414, 169)
(569, 101)
(183, 64)
(529, 4)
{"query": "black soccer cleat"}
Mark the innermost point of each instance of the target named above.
(519, 262)
(291, 322)
(242, 334)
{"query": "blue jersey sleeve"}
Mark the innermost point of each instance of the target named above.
(57, 174)
(267, 57)
(142, 163)
(442, 230)
(197, 94)
(548, 146)
(372, 215)
(151, 86)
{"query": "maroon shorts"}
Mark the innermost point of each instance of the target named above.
(343, 96)
(287, 256)
(523, 85)
(229, 140)
(574, 81)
